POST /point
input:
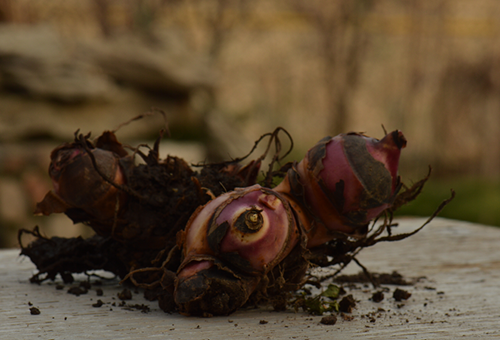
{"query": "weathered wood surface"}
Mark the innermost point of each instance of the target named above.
(459, 297)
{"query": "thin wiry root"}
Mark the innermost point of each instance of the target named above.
(372, 239)
(152, 285)
(273, 138)
(151, 112)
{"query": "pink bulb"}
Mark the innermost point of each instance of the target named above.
(229, 245)
(344, 182)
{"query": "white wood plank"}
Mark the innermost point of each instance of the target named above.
(461, 262)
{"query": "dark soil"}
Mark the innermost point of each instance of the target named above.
(378, 296)
(329, 320)
(34, 311)
(77, 291)
(125, 294)
(347, 304)
(140, 307)
(400, 294)
(99, 303)
(393, 278)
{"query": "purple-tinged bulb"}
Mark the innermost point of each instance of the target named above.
(346, 181)
(364, 170)
(80, 191)
(229, 245)
(77, 182)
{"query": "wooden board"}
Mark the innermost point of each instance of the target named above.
(457, 295)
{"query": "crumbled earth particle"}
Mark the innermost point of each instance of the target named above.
(347, 304)
(34, 311)
(263, 322)
(328, 320)
(346, 317)
(393, 278)
(143, 308)
(99, 303)
(77, 291)
(125, 294)
(377, 296)
(400, 294)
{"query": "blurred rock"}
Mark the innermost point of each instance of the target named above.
(161, 65)
(34, 60)
(50, 87)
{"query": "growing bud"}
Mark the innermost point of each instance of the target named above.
(345, 181)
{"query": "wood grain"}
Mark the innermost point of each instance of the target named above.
(457, 295)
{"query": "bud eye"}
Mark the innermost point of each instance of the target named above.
(250, 221)
(253, 220)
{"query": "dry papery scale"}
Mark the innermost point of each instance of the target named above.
(212, 240)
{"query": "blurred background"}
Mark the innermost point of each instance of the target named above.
(225, 72)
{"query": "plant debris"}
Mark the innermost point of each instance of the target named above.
(324, 302)
(209, 239)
